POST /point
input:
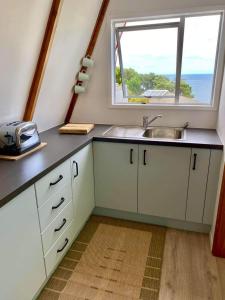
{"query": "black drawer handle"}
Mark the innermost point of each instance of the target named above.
(144, 158)
(61, 226)
(58, 180)
(77, 169)
(194, 161)
(66, 242)
(60, 203)
(131, 156)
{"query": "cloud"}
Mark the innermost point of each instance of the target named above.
(155, 50)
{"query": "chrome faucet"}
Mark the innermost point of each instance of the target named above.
(147, 122)
(186, 125)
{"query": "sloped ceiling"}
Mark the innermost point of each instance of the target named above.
(76, 22)
(22, 26)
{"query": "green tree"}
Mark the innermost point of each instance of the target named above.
(118, 76)
(185, 89)
(161, 82)
(138, 83)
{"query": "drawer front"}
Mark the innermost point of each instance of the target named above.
(50, 210)
(57, 227)
(56, 253)
(52, 182)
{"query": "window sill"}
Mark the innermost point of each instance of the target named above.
(164, 107)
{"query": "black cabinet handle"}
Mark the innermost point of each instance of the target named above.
(66, 242)
(61, 226)
(131, 156)
(144, 158)
(77, 169)
(194, 161)
(60, 203)
(58, 180)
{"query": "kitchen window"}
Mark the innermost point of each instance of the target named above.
(167, 62)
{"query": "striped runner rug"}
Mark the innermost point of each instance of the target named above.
(110, 260)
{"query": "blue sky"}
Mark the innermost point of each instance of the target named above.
(155, 50)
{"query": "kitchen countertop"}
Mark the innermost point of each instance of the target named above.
(198, 138)
(16, 176)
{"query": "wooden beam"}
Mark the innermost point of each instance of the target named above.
(89, 51)
(42, 60)
(219, 236)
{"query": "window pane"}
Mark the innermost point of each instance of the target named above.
(199, 55)
(150, 22)
(149, 62)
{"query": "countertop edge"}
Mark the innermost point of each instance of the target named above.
(158, 142)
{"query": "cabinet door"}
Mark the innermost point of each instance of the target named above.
(163, 181)
(197, 184)
(115, 172)
(22, 270)
(212, 185)
(83, 186)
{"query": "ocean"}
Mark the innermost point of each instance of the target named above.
(201, 85)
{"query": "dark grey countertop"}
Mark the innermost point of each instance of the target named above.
(198, 138)
(16, 176)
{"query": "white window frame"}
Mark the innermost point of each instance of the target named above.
(219, 60)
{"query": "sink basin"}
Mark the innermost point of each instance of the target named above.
(169, 133)
(164, 133)
(125, 131)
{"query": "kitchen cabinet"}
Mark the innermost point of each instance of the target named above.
(203, 184)
(172, 182)
(199, 167)
(212, 185)
(53, 182)
(163, 181)
(21, 257)
(59, 249)
(115, 168)
(82, 186)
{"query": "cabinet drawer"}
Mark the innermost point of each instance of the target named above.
(54, 206)
(57, 227)
(52, 182)
(59, 249)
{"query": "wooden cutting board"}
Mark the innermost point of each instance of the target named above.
(76, 128)
(17, 157)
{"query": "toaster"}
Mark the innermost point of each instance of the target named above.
(18, 137)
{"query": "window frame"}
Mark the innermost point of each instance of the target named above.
(180, 25)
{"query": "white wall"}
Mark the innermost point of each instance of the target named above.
(22, 25)
(221, 133)
(76, 22)
(93, 106)
(221, 114)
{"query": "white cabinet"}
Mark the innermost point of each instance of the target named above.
(59, 249)
(82, 186)
(115, 167)
(163, 181)
(173, 182)
(197, 184)
(21, 257)
(53, 182)
(203, 183)
(212, 185)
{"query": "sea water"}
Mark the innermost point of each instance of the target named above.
(201, 85)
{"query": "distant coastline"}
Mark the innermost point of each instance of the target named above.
(201, 85)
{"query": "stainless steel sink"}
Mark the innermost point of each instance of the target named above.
(164, 133)
(125, 131)
(168, 133)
